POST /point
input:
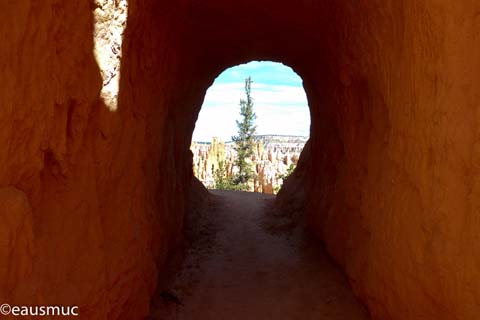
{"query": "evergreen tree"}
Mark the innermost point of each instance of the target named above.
(289, 171)
(245, 141)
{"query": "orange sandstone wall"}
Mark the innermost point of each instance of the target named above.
(92, 199)
(393, 187)
(83, 217)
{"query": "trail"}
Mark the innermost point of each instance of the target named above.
(240, 269)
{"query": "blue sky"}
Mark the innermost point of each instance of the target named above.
(279, 102)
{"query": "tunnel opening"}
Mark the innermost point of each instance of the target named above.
(241, 249)
(232, 235)
(277, 132)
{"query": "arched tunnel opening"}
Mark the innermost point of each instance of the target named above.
(247, 255)
(96, 169)
(269, 136)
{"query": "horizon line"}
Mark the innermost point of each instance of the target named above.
(256, 136)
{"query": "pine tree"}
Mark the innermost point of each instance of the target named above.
(245, 141)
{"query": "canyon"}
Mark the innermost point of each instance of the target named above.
(96, 179)
(274, 156)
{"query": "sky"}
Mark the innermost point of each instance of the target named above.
(280, 102)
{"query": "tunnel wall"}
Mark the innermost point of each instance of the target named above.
(93, 199)
(84, 218)
(392, 188)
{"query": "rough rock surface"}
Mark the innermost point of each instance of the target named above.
(110, 21)
(391, 181)
(16, 243)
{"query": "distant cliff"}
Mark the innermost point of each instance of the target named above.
(274, 154)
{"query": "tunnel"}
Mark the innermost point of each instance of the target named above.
(93, 197)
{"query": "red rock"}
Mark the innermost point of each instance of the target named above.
(391, 182)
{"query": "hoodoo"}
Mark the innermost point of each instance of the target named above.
(93, 196)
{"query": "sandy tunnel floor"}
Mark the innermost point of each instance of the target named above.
(239, 268)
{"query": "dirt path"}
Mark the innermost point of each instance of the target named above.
(243, 271)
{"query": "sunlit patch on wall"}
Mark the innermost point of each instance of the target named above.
(110, 23)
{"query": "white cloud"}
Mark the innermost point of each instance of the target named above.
(280, 109)
(279, 102)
